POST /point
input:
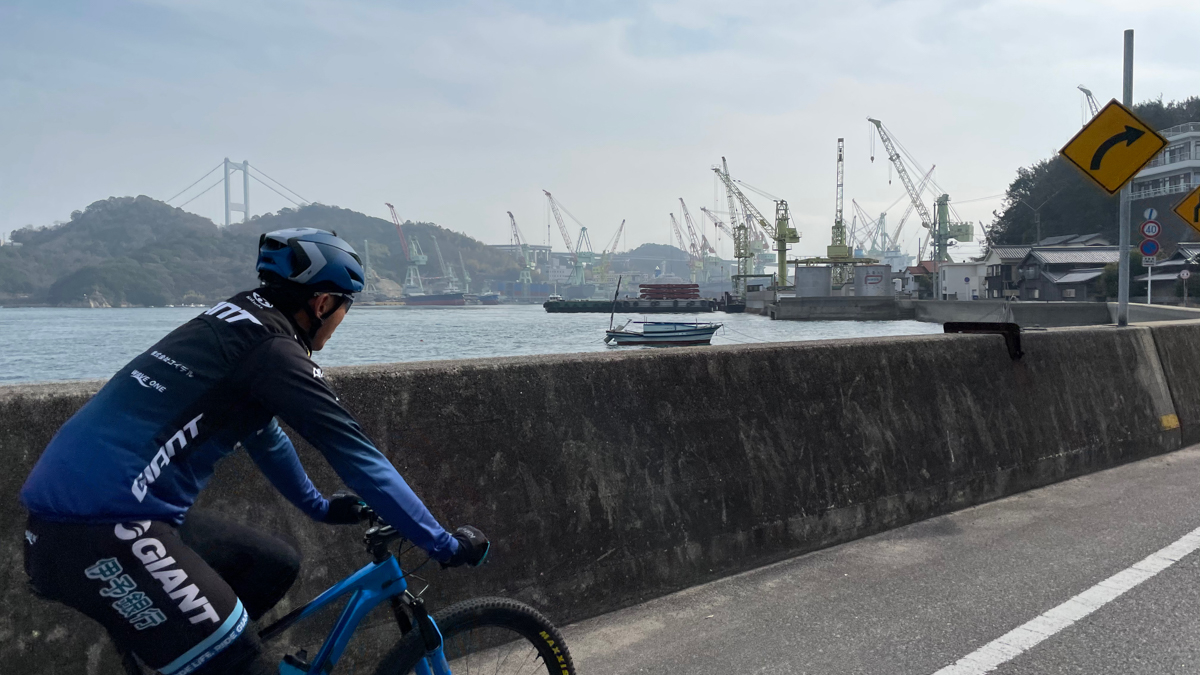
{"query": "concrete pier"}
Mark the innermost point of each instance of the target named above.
(607, 479)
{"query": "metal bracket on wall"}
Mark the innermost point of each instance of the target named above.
(1010, 331)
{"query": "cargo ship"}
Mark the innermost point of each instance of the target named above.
(639, 306)
(436, 300)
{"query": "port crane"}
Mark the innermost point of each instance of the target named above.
(718, 223)
(699, 244)
(601, 269)
(412, 253)
(781, 232)
(1091, 102)
(880, 242)
(687, 248)
(739, 233)
(581, 251)
(525, 276)
(466, 274)
(839, 255)
(941, 229)
(447, 271)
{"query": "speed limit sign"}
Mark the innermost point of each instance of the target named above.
(1185, 275)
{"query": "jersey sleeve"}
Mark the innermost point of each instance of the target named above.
(281, 377)
(275, 456)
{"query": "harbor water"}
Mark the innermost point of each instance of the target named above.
(43, 344)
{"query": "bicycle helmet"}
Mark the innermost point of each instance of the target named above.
(312, 258)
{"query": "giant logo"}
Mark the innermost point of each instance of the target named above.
(147, 476)
(131, 531)
(229, 312)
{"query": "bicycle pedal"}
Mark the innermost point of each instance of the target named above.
(295, 664)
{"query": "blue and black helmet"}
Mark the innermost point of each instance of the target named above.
(309, 257)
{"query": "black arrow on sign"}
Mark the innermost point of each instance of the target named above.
(1129, 136)
(1196, 214)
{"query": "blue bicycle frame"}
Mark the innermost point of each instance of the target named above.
(369, 586)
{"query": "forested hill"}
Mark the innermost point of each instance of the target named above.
(1076, 205)
(140, 251)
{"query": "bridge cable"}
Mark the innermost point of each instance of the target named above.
(219, 181)
(268, 185)
(194, 184)
(281, 185)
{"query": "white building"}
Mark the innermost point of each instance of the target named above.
(558, 274)
(1176, 168)
(961, 281)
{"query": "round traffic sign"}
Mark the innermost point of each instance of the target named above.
(1149, 247)
(1150, 214)
(1185, 274)
(1151, 229)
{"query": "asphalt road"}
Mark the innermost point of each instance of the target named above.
(920, 598)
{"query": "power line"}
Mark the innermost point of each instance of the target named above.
(197, 181)
(978, 199)
(268, 185)
(281, 185)
(219, 181)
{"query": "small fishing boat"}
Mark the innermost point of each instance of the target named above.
(665, 333)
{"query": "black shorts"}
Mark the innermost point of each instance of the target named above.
(171, 596)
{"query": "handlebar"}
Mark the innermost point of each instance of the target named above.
(379, 536)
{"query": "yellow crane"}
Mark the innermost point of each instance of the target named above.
(781, 232)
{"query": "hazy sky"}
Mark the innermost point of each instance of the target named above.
(459, 111)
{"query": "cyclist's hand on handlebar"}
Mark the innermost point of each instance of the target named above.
(345, 508)
(473, 547)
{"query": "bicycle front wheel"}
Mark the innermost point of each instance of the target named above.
(488, 635)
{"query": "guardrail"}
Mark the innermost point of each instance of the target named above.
(1165, 159)
(1179, 129)
(1158, 192)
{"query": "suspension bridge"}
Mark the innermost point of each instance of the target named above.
(228, 169)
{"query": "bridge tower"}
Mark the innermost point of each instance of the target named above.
(244, 207)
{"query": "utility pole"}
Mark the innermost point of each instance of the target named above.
(1037, 214)
(1123, 223)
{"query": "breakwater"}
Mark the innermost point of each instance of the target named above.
(608, 479)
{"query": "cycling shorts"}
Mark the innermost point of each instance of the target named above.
(155, 594)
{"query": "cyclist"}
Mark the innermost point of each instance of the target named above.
(110, 532)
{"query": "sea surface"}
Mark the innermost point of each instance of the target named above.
(40, 344)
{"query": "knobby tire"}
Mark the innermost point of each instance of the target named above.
(524, 622)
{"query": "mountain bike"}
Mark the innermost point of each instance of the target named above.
(493, 635)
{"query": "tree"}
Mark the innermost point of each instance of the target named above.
(1078, 206)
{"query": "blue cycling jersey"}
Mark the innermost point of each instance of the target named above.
(146, 444)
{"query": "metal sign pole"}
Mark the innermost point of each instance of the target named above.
(1123, 223)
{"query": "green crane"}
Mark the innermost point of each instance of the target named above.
(412, 254)
(525, 277)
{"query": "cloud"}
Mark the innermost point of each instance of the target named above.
(459, 111)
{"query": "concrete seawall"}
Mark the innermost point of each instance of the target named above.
(607, 479)
(1025, 313)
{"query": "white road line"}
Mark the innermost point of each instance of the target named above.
(1023, 638)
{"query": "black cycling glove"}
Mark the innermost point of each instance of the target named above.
(473, 547)
(345, 508)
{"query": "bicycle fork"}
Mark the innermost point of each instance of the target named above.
(434, 662)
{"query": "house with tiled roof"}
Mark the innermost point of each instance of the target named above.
(1064, 272)
(1001, 279)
